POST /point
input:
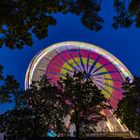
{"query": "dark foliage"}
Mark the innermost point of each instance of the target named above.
(9, 88)
(46, 104)
(128, 13)
(36, 109)
(83, 102)
(129, 107)
(19, 19)
(1, 68)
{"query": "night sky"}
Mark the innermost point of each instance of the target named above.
(122, 43)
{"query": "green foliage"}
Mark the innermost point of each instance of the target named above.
(129, 107)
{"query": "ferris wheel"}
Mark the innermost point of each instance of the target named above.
(104, 69)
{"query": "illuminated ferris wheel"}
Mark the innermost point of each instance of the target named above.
(105, 70)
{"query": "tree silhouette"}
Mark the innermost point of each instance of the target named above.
(83, 103)
(18, 19)
(21, 18)
(46, 104)
(9, 88)
(1, 68)
(129, 107)
(128, 13)
(36, 109)
(89, 12)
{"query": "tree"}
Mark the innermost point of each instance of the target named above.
(1, 67)
(129, 107)
(36, 109)
(46, 104)
(19, 19)
(83, 102)
(89, 12)
(127, 13)
(9, 88)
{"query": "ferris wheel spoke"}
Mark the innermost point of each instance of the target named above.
(66, 61)
(97, 77)
(98, 82)
(94, 64)
(101, 87)
(67, 69)
(106, 72)
(113, 87)
(81, 60)
(114, 80)
(74, 61)
(103, 66)
(103, 84)
(88, 58)
(110, 86)
(59, 66)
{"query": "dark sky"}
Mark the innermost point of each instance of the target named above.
(122, 43)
